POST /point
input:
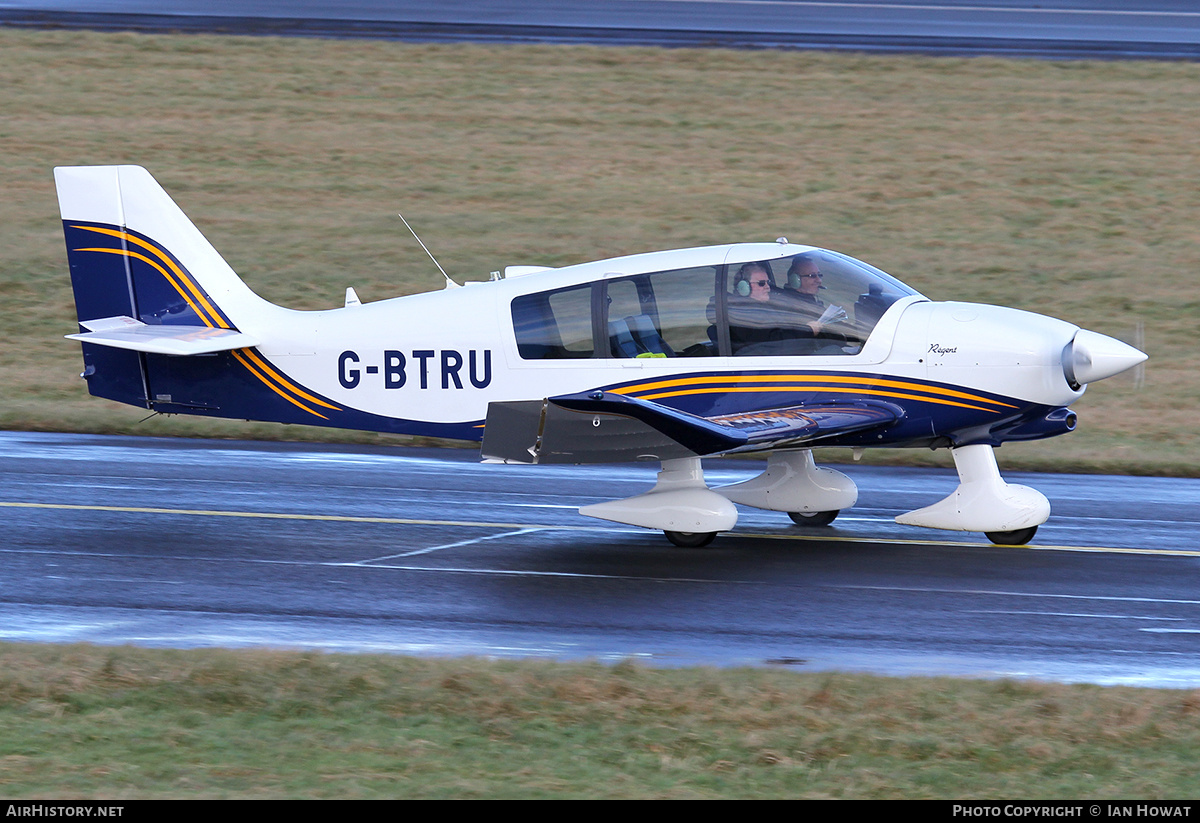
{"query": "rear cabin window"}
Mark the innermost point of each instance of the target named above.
(554, 325)
(661, 315)
(665, 314)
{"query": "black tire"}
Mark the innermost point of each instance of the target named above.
(811, 519)
(1016, 537)
(690, 540)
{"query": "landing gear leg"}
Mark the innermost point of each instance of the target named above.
(793, 483)
(680, 504)
(1007, 513)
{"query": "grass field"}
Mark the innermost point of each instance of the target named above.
(87, 722)
(1068, 188)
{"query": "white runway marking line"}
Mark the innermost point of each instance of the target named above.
(403, 568)
(147, 580)
(532, 573)
(1081, 614)
(1003, 593)
(907, 541)
(454, 545)
(334, 518)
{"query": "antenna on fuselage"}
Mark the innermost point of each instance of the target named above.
(450, 284)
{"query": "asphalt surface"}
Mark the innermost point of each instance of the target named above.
(1052, 28)
(181, 543)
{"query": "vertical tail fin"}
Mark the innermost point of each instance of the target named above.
(168, 324)
(134, 253)
(145, 279)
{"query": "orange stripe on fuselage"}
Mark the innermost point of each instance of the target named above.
(284, 382)
(241, 359)
(831, 389)
(706, 385)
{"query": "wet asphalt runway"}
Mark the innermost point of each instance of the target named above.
(420, 551)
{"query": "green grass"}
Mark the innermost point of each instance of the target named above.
(121, 723)
(1061, 187)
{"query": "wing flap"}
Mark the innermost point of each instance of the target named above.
(539, 431)
(601, 427)
(128, 333)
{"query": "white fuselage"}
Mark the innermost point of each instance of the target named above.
(444, 355)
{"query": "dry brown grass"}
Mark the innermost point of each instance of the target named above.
(1062, 187)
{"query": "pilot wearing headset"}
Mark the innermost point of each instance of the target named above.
(803, 282)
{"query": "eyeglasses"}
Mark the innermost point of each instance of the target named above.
(813, 276)
(759, 282)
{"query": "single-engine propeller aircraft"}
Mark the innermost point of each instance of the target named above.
(669, 356)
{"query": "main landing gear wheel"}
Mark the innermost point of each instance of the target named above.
(1017, 537)
(690, 540)
(809, 519)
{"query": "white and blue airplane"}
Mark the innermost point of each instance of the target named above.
(669, 357)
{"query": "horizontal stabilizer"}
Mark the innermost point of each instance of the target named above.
(127, 333)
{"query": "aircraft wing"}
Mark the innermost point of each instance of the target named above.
(601, 427)
(127, 333)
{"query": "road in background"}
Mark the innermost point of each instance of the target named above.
(1168, 29)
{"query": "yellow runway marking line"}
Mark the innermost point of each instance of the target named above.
(483, 524)
(336, 518)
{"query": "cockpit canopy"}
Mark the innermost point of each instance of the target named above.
(816, 302)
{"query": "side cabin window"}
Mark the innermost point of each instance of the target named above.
(816, 303)
(554, 325)
(664, 314)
